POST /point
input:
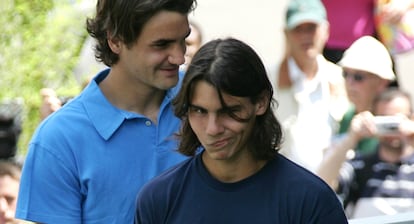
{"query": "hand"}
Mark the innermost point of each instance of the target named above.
(362, 126)
(407, 128)
(50, 102)
(394, 11)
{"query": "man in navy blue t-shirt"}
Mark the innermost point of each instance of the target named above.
(236, 174)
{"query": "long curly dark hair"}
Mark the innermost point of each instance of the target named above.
(234, 68)
(124, 19)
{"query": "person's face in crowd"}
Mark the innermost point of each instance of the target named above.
(362, 87)
(155, 57)
(223, 137)
(9, 189)
(399, 106)
(193, 43)
(307, 40)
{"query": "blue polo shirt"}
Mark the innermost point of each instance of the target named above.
(87, 161)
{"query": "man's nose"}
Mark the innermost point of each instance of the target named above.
(177, 55)
(4, 206)
(214, 126)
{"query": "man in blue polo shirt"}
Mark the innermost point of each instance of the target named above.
(87, 161)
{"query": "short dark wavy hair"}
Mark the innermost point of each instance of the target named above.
(124, 19)
(234, 68)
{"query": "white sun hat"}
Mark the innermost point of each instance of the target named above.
(370, 55)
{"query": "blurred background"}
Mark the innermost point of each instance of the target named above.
(44, 43)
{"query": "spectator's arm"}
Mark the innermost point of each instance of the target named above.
(394, 11)
(50, 102)
(362, 126)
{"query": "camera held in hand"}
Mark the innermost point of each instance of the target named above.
(387, 125)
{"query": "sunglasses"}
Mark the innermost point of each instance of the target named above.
(357, 77)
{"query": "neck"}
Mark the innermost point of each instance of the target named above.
(132, 96)
(232, 171)
(309, 66)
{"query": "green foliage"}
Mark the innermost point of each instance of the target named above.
(39, 47)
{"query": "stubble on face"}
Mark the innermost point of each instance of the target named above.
(223, 137)
(158, 52)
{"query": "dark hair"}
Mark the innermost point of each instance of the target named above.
(124, 19)
(234, 68)
(390, 94)
(11, 113)
(10, 168)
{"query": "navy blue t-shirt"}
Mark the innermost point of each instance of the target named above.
(281, 192)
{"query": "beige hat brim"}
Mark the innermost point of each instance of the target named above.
(370, 55)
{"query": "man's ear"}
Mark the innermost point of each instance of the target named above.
(114, 43)
(262, 104)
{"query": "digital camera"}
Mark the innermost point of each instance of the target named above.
(387, 125)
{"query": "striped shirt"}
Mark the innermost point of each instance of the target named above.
(368, 176)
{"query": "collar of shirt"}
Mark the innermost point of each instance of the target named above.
(301, 86)
(105, 117)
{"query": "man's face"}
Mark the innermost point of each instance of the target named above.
(223, 137)
(307, 40)
(362, 87)
(9, 189)
(193, 43)
(153, 60)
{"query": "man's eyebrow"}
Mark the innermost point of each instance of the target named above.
(195, 106)
(168, 40)
(162, 41)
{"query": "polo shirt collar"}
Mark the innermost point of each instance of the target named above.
(104, 116)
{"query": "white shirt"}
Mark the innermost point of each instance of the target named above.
(309, 111)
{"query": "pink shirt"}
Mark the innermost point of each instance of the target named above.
(349, 20)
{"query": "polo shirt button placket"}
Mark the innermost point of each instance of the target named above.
(148, 123)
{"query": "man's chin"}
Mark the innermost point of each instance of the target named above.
(169, 85)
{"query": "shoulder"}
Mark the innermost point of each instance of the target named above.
(332, 71)
(168, 181)
(156, 197)
(329, 67)
(64, 120)
(302, 183)
(295, 174)
(309, 194)
(65, 131)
